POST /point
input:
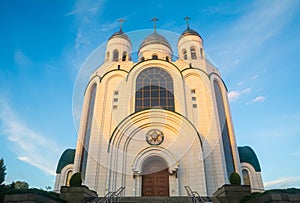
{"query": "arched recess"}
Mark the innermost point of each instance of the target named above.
(193, 52)
(224, 129)
(115, 55)
(184, 53)
(127, 143)
(166, 65)
(154, 88)
(246, 177)
(145, 154)
(133, 119)
(87, 130)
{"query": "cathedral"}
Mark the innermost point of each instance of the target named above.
(157, 124)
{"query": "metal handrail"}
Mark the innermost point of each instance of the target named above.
(112, 196)
(105, 198)
(116, 194)
(194, 195)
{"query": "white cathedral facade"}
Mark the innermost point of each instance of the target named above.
(156, 125)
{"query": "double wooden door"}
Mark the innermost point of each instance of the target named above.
(156, 184)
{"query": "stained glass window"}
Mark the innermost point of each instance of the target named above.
(154, 89)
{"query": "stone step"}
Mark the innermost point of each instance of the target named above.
(150, 200)
(154, 200)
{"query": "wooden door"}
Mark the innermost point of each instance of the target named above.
(156, 184)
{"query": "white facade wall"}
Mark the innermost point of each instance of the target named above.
(192, 146)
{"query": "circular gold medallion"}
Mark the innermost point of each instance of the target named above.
(154, 137)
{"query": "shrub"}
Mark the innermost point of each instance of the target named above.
(235, 178)
(76, 180)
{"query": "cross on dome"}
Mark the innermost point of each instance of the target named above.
(121, 21)
(154, 21)
(187, 22)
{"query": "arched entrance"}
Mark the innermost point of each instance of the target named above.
(155, 178)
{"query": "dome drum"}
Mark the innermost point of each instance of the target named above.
(155, 46)
(118, 47)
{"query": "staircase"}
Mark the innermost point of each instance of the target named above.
(154, 200)
(115, 197)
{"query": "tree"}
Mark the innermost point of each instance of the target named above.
(48, 188)
(2, 171)
(235, 178)
(76, 180)
(21, 185)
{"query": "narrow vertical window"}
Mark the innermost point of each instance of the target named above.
(107, 55)
(201, 53)
(224, 130)
(115, 55)
(154, 89)
(124, 57)
(87, 134)
(193, 53)
(246, 177)
(184, 53)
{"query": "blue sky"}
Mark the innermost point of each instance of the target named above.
(255, 44)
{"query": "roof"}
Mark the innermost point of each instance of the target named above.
(66, 158)
(188, 32)
(247, 155)
(120, 34)
(155, 38)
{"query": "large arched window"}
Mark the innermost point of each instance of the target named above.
(88, 129)
(184, 53)
(193, 53)
(246, 177)
(154, 89)
(224, 129)
(115, 55)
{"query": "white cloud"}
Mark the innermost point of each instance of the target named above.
(235, 94)
(21, 59)
(110, 26)
(258, 99)
(86, 20)
(28, 145)
(262, 21)
(283, 182)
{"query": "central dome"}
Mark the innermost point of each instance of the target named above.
(155, 38)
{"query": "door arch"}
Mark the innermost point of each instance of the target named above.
(155, 177)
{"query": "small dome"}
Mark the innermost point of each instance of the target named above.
(188, 32)
(119, 34)
(66, 158)
(155, 38)
(247, 155)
